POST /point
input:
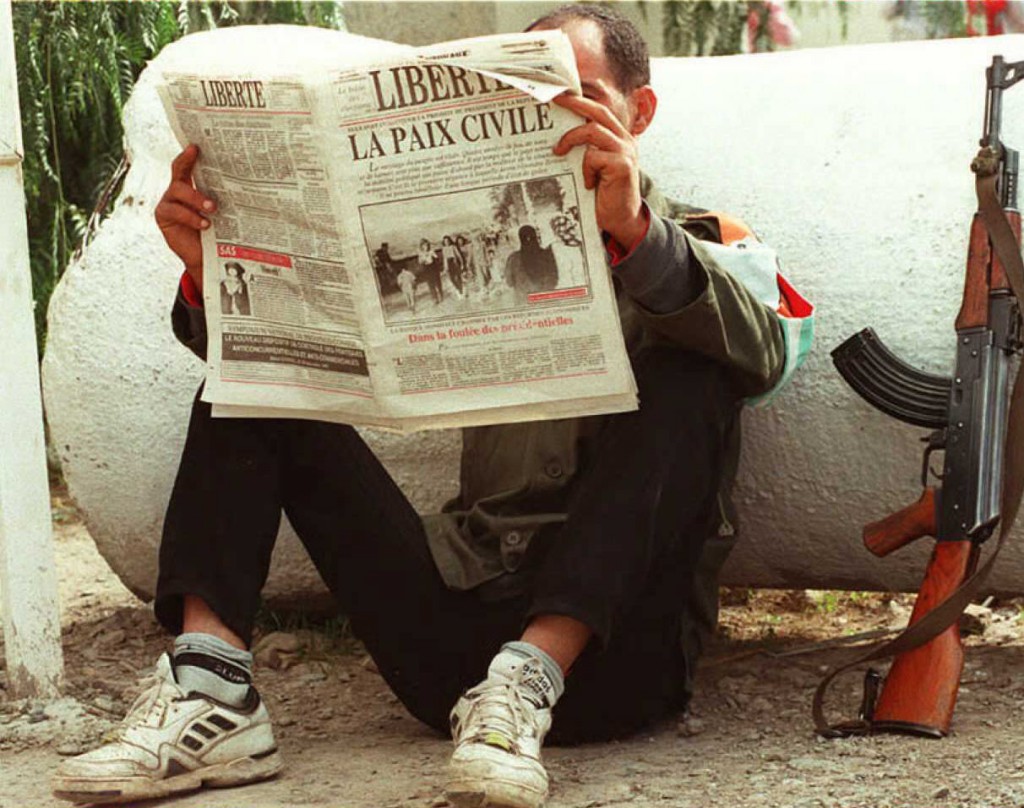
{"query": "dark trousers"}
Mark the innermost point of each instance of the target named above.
(623, 563)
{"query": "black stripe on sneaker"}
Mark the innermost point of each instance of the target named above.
(202, 729)
(220, 721)
(192, 743)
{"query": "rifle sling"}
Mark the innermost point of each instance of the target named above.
(1006, 248)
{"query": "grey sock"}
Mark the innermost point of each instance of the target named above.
(209, 665)
(552, 670)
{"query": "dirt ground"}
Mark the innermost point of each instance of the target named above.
(747, 742)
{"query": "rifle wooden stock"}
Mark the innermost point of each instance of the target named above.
(974, 308)
(999, 279)
(919, 693)
(906, 525)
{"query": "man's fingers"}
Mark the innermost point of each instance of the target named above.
(589, 174)
(591, 134)
(174, 213)
(604, 165)
(184, 193)
(592, 110)
(182, 165)
(602, 162)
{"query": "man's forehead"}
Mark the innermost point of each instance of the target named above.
(587, 38)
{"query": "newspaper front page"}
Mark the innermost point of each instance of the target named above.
(395, 243)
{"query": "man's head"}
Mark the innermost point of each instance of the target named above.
(528, 238)
(612, 59)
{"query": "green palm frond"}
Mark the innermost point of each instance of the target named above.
(77, 64)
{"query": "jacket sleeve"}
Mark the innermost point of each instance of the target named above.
(723, 319)
(189, 325)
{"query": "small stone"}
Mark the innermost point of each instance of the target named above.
(71, 747)
(112, 639)
(977, 610)
(37, 715)
(899, 615)
(281, 640)
(941, 793)
(105, 703)
(690, 726)
(971, 625)
(274, 650)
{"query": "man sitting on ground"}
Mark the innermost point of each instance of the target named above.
(558, 592)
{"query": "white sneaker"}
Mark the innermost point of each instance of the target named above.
(498, 728)
(172, 741)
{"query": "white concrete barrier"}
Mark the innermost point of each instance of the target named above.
(852, 162)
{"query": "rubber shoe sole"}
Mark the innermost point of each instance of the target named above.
(498, 795)
(128, 789)
(476, 784)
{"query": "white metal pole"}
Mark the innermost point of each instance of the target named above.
(28, 579)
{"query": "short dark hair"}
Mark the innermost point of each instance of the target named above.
(624, 46)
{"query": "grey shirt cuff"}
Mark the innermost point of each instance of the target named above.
(658, 274)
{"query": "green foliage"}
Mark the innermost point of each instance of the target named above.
(332, 631)
(829, 601)
(77, 63)
(844, 18)
(944, 20)
(947, 19)
(713, 27)
(703, 27)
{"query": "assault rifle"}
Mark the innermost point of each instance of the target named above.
(969, 414)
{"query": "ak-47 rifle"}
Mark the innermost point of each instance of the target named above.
(970, 418)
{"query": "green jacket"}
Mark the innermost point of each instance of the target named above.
(515, 478)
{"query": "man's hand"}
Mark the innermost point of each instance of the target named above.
(181, 214)
(610, 164)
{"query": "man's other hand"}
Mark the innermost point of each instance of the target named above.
(181, 214)
(610, 165)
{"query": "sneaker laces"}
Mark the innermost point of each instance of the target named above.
(149, 705)
(499, 714)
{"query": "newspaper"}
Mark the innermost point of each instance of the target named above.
(395, 244)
